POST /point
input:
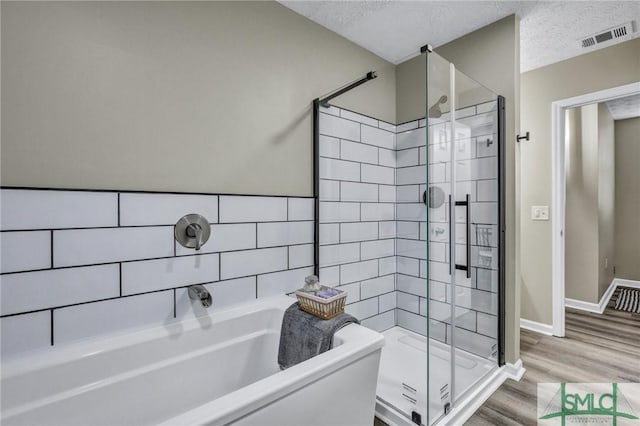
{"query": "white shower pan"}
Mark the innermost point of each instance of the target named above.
(404, 376)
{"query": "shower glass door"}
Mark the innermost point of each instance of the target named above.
(438, 194)
(476, 258)
(464, 234)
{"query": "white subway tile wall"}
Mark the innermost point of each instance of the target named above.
(160, 274)
(41, 209)
(253, 262)
(75, 247)
(300, 256)
(25, 332)
(81, 264)
(284, 233)
(33, 291)
(236, 209)
(113, 315)
(28, 250)
(282, 282)
(231, 237)
(357, 213)
(164, 209)
(374, 234)
(227, 293)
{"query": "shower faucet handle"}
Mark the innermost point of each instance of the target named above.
(192, 231)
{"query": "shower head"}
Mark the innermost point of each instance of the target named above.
(434, 111)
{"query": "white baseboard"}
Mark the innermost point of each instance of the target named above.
(599, 308)
(583, 306)
(515, 371)
(538, 327)
(627, 283)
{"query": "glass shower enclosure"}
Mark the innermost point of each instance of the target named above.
(410, 223)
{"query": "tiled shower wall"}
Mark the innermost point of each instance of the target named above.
(79, 264)
(357, 156)
(357, 213)
(476, 174)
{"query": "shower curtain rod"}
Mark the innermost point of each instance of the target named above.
(370, 76)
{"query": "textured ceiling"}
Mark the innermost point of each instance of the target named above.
(395, 30)
(623, 108)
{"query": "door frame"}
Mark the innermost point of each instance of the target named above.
(558, 109)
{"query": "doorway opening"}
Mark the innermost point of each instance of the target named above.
(559, 224)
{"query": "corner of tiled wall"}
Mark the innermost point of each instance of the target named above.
(357, 213)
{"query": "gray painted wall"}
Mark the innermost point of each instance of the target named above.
(172, 96)
(606, 198)
(581, 230)
(627, 181)
(590, 197)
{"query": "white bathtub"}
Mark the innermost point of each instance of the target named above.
(215, 370)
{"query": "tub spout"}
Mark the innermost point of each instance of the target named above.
(198, 292)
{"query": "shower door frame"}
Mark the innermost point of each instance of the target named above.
(502, 231)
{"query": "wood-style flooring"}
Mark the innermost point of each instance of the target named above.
(597, 349)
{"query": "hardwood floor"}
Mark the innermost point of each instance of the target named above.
(597, 348)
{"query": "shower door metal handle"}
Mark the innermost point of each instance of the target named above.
(468, 235)
(452, 244)
(467, 204)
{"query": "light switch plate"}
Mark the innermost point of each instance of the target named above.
(540, 213)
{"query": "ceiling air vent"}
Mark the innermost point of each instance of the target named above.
(588, 42)
(622, 32)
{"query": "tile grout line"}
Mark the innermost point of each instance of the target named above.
(51, 249)
(51, 320)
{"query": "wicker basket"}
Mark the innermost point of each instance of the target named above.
(325, 308)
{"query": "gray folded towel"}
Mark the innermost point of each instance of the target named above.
(304, 336)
